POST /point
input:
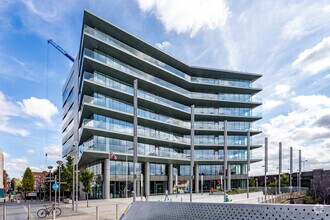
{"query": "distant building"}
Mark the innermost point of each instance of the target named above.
(39, 179)
(309, 179)
(6, 181)
(2, 167)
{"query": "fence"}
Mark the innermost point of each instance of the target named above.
(97, 211)
(231, 211)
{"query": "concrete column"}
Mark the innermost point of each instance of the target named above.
(147, 179)
(196, 178)
(106, 179)
(170, 178)
(228, 177)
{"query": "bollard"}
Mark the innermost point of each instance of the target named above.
(29, 212)
(181, 199)
(117, 212)
(170, 200)
(4, 213)
(97, 213)
(258, 199)
(54, 214)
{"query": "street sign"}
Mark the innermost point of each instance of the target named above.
(55, 186)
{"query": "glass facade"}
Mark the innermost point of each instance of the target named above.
(97, 103)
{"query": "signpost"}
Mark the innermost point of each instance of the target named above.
(55, 186)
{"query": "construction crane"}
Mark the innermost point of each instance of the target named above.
(50, 41)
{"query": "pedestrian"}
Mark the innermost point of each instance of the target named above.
(166, 195)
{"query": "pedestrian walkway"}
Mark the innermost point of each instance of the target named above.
(108, 209)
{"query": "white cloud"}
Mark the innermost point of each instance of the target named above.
(13, 67)
(282, 90)
(40, 108)
(53, 151)
(187, 16)
(305, 127)
(16, 166)
(164, 45)
(315, 59)
(31, 151)
(294, 28)
(45, 11)
(270, 104)
(9, 110)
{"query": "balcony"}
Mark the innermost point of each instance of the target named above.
(114, 63)
(132, 51)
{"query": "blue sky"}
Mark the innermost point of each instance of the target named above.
(287, 42)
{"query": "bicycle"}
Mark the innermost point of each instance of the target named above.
(43, 213)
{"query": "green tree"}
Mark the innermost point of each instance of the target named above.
(252, 182)
(66, 175)
(86, 177)
(285, 181)
(28, 180)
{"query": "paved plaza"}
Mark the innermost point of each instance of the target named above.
(107, 208)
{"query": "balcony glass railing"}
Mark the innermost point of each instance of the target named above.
(139, 74)
(118, 44)
(123, 107)
(89, 145)
(110, 82)
(142, 131)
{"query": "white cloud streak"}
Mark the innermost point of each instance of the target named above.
(187, 16)
(315, 59)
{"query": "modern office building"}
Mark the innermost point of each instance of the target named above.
(98, 115)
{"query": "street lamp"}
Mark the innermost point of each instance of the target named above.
(59, 163)
(304, 161)
(126, 177)
(50, 183)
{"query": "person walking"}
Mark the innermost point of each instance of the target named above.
(166, 196)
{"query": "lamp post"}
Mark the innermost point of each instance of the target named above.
(59, 163)
(192, 149)
(73, 175)
(50, 183)
(279, 167)
(266, 165)
(291, 171)
(126, 176)
(304, 161)
(135, 137)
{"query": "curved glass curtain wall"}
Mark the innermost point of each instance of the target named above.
(114, 63)
(99, 143)
(107, 123)
(118, 44)
(123, 87)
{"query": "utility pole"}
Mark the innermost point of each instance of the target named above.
(135, 138)
(225, 160)
(248, 165)
(266, 165)
(192, 148)
(279, 166)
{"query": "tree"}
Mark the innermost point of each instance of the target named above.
(86, 177)
(252, 182)
(285, 181)
(28, 180)
(66, 175)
